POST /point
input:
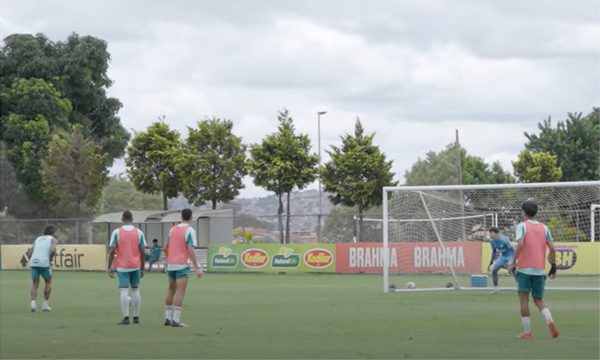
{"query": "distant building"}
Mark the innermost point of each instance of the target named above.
(212, 226)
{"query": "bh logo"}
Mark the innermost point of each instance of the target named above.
(565, 258)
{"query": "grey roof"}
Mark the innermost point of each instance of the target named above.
(174, 217)
(140, 216)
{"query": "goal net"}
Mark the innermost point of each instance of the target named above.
(443, 230)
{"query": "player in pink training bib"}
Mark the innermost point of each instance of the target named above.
(179, 250)
(127, 250)
(534, 238)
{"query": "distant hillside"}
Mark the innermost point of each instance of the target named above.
(258, 212)
(302, 203)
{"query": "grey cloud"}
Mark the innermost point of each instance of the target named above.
(413, 70)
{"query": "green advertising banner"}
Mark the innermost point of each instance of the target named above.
(272, 258)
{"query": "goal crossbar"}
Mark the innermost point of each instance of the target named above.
(493, 186)
(436, 219)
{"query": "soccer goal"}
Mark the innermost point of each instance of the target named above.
(437, 234)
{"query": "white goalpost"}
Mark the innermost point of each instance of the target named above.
(593, 209)
(440, 229)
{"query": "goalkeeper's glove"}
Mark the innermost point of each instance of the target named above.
(552, 271)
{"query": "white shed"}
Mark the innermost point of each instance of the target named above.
(212, 226)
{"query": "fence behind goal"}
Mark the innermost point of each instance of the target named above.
(438, 224)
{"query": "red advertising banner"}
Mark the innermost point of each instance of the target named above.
(465, 257)
(364, 257)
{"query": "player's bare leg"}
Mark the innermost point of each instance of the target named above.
(47, 291)
(525, 320)
(181, 285)
(178, 301)
(541, 305)
(169, 302)
(33, 294)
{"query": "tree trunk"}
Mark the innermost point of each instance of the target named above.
(165, 206)
(360, 223)
(77, 224)
(214, 204)
(78, 230)
(280, 219)
(287, 220)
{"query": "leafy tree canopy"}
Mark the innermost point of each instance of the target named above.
(151, 161)
(575, 142)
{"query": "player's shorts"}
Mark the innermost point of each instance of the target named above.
(129, 278)
(531, 283)
(178, 274)
(36, 272)
(502, 262)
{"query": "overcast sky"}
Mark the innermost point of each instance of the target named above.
(413, 71)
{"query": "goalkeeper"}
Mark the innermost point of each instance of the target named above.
(502, 255)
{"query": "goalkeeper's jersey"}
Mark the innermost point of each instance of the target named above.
(503, 246)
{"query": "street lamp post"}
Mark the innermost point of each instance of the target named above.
(319, 113)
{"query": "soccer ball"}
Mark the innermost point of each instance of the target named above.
(410, 285)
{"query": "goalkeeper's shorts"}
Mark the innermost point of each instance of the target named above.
(502, 262)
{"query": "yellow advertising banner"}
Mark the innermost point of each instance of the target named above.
(68, 257)
(572, 258)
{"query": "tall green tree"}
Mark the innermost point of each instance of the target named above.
(27, 56)
(120, 193)
(282, 163)
(357, 172)
(45, 87)
(575, 142)
(12, 195)
(84, 61)
(151, 161)
(77, 68)
(31, 110)
(74, 173)
(213, 165)
(440, 169)
(537, 167)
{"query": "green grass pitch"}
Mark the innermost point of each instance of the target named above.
(290, 316)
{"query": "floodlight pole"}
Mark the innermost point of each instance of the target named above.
(460, 182)
(319, 113)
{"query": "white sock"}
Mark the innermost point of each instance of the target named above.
(168, 312)
(33, 304)
(177, 313)
(526, 323)
(124, 302)
(136, 302)
(547, 314)
(46, 304)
